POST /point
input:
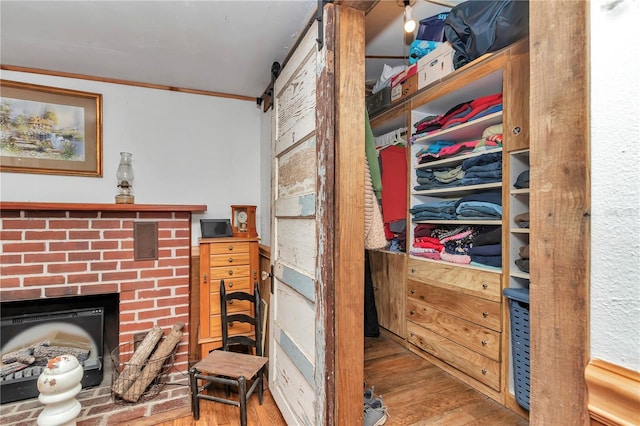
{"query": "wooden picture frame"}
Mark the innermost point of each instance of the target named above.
(50, 130)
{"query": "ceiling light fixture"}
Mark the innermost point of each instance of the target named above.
(409, 23)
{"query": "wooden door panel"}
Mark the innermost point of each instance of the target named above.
(296, 243)
(296, 367)
(297, 170)
(296, 104)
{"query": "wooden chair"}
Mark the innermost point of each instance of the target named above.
(231, 368)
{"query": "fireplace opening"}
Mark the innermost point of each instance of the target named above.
(31, 332)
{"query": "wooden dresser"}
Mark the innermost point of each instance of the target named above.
(454, 314)
(234, 260)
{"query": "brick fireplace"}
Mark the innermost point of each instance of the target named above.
(52, 250)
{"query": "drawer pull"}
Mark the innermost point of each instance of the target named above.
(230, 259)
(230, 247)
(204, 278)
(412, 312)
(485, 314)
(485, 343)
(412, 291)
(231, 302)
(230, 325)
(413, 270)
(230, 284)
(484, 371)
(485, 285)
(230, 272)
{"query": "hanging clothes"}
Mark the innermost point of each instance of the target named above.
(372, 157)
(394, 183)
(374, 237)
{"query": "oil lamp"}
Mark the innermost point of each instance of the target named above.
(125, 179)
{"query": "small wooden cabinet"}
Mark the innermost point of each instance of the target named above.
(388, 273)
(234, 260)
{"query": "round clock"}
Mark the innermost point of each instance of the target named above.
(243, 221)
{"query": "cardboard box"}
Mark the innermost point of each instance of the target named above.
(404, 89)
(379, 101)
(402, 76)
(435, 65)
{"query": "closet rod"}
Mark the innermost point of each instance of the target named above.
(385, 57)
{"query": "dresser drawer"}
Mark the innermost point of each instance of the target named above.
(231, 271)
(474, 309)
(469, 362)
(485, 284)
(480, 339)
(237, 258)
(227, 248)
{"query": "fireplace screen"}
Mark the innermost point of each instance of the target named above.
(28, 341)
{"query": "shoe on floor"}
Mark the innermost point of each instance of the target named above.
(368, 397)
(375, 414)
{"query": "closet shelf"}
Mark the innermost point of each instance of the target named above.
(522, 191)
(463, 132)
(519, 274)
(460, 191)
(454, 161)
(461, 222)
(442, 262)
(520, 230)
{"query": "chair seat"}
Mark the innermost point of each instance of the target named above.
(231, 364)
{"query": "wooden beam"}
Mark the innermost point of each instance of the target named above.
(125, 82)
(349, 208)
(37, 205)
(560, 211)
(364, 5)
(326, 206)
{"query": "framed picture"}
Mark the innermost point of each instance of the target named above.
(50, 130)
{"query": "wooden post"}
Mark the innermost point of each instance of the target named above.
(560, 211)
(349, 216)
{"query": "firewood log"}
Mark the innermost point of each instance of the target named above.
(7, 369)
(155, 363)
(134, 366)
(24, 356)
(54, 351)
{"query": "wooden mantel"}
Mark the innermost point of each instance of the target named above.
(28, 205)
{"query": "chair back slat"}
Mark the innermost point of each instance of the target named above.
(227, 319)
(241, 340)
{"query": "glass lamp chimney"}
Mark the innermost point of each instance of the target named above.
(125, 179)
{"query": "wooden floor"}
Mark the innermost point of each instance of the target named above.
(415, 392)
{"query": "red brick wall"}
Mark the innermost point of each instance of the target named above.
(47, 254)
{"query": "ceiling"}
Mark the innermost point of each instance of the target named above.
(218, 46)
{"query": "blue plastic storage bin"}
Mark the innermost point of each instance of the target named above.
(519, 315)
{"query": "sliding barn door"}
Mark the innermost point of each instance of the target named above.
(300, 321)
(316, 323)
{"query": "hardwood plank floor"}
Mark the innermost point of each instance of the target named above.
(415, 392)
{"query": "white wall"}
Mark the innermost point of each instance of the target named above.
(615, 156)
(265, 177)
(187, 149)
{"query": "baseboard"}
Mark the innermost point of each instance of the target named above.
(614, 393)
